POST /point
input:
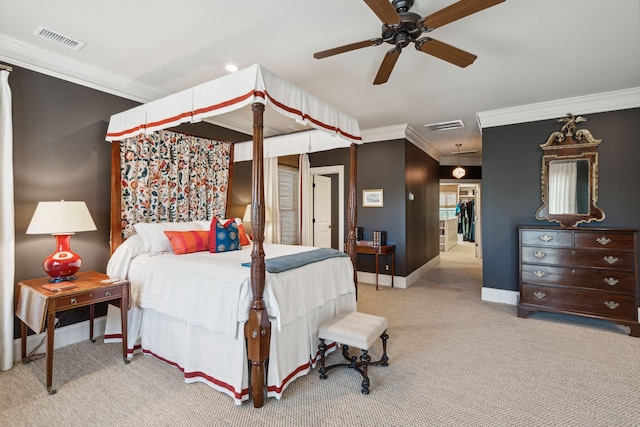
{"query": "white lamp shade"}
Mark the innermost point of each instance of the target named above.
(61, 218)
(247, 214)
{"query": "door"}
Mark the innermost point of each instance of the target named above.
(321, 211)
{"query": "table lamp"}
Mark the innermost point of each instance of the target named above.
(247, 214)
(62, 219)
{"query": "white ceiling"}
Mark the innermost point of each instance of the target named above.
(528, 52)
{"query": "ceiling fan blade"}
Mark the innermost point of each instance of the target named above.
(445, 52)
(384, 10)
(456, 11)
(386, 67)
(347, 48)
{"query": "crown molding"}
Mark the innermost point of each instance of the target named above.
(402, 131)
(596, 103)
(42, 61)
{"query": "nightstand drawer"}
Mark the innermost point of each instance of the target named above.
(99, 295)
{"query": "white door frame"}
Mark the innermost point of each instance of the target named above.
(332, 170)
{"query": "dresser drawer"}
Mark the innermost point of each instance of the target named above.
(609, 259)
(605, 240)
(611, 305)
(81, 299)
(547, 238)
(607, 280)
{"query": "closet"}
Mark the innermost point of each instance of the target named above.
(459, 214)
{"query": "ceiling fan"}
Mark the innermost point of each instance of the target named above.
(401, 27)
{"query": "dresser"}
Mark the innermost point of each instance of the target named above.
(589, 272)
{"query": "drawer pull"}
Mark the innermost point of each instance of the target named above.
(546, 238)
(107, 294)
(539, 273)
(73, 301)
(611, 281)
(612, 304)
(539, 254)
(539, 295)
(610, 259)
(604, 241)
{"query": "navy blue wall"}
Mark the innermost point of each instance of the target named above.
(511, 166)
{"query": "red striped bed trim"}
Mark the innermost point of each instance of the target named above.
(255, 93)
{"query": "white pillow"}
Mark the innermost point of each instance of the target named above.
(155, 241)
(118, 265)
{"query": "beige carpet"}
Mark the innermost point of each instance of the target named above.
(454, 361)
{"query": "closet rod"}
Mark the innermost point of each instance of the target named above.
(5, 67)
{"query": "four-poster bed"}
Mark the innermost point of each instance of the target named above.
(256, 87)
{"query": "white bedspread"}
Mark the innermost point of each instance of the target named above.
(214, 291)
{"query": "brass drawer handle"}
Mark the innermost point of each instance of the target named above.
(539, 273)
(604, 241)
(546, 238)
(539, 295)
(107, 294)
(539, 254)
(73, 301)
(611, 281)
(612, 304)
(610, 259)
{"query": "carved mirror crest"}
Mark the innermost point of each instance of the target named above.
(570, 176)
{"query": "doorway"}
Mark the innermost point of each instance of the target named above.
(335, 173)
(460, 229)
(321, 211)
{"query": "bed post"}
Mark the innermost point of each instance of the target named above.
(116, 198)
(257, 330)
(353, 212)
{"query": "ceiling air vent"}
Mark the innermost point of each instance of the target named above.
(453, 124)
(59, 38)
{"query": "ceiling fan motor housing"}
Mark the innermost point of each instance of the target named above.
(404, 33)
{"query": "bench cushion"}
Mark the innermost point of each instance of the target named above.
(354, 329)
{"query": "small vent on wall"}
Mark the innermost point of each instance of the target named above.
(59, 38)
(453, 124)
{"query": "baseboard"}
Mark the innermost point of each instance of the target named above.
(398, 281)
(64, 335)
(500, 295)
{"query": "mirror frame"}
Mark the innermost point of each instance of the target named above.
(570, 144)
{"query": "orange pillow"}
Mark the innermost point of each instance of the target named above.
(244, 239)
(186, 242)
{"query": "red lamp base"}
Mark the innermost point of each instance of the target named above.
(63, 264)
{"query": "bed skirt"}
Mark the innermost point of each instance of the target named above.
(219, 360)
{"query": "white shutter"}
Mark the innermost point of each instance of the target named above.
(288, 198)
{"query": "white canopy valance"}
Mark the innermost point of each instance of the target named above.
(293, 143)
(232, 92)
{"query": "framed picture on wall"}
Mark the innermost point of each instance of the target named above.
(372, 198)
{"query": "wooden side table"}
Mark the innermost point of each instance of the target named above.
(377, 251)
(36, 307)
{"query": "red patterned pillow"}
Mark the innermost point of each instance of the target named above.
(186, 242)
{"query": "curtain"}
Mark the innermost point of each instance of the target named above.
(562, 188)
(272, 203)
(172, 177)
(306, 231)
(7, 226)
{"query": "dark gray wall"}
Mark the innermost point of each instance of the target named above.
(60, 153)
(397, 167)
(511, 164)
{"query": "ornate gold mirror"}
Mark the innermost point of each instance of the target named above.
(570, 176)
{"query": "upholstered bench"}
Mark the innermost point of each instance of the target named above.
(357, 330)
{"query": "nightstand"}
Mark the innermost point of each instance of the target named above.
(36, 307)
